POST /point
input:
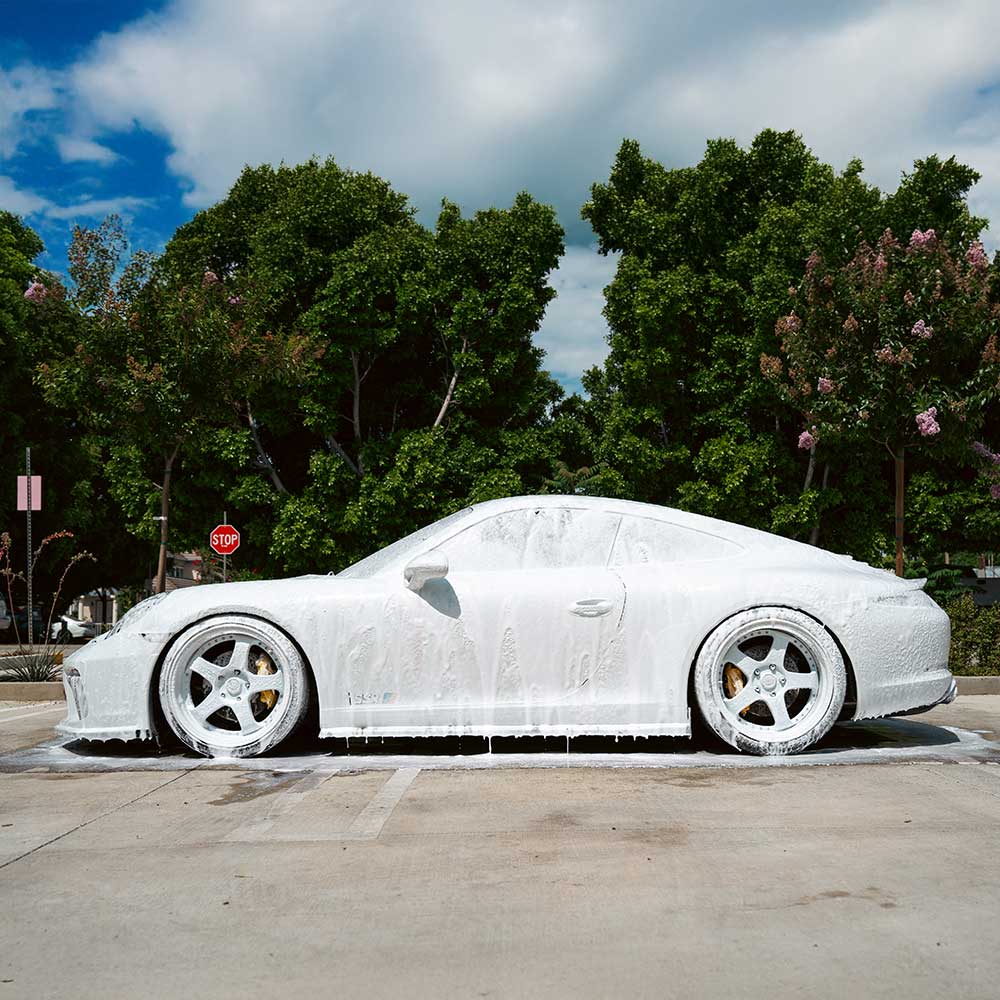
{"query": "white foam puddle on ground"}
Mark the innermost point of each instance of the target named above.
(885, 741)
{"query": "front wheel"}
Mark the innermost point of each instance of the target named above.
(770, 681)
(233, 686)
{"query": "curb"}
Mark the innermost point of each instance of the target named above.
(978, 685)
(32, 691)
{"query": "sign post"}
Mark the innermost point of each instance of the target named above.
(224, 540)
(29, 498)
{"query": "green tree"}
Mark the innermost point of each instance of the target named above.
(898, 346)
(158, 368)
(39, 321)
(408, 383)
(681, 409)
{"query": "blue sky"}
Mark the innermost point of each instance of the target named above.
(151, 110)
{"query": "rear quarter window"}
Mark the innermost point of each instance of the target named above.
(644, 540)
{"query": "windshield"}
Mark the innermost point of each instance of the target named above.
(411, 545)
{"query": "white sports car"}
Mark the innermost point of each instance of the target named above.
(553, 615)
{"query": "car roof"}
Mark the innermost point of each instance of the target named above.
(695, 522)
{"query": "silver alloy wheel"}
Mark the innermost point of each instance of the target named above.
(233, 686)
(770, 681)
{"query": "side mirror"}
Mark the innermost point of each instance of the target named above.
(431, 565)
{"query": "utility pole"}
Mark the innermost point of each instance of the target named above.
(31, 609)
(225, 520)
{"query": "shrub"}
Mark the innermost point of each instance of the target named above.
(975, 637)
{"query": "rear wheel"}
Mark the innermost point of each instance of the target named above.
(770, 681)
(233, 686)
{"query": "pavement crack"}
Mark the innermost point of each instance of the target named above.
(94, 819)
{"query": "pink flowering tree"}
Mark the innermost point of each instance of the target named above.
(899, 346)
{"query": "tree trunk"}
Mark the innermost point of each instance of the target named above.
(263, 458)
(898, 457)
(356, 409)
(161, 571)
(814, 534)
(451, 389)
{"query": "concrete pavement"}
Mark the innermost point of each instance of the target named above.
(876, 879)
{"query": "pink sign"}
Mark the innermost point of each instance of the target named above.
(22, 492)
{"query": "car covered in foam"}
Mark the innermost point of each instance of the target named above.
(555, 615)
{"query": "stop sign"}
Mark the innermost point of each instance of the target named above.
(225, 539)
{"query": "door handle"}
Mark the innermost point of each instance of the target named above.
(592, 608)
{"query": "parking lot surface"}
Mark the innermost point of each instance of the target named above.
(868, 867)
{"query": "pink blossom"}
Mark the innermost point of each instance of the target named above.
(880, 264)
(36, 292)
(885, 355)
(851, 325)
(824, 385)
(976, 256)
(927, 422)
(234, 300)
(922, 330)
(909, 299)
(209, 278)
(995, 491)
(920, 240)
(813, 261)
(806, 440)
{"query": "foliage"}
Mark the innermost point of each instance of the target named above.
(898, 346)
(975, 637)
(408, 383)
(40, 664)
(682, 409)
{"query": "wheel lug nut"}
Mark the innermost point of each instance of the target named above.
(756, 688)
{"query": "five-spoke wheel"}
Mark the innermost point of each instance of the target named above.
(233, 686)
(770, 681)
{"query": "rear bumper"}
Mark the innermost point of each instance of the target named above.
(946, 699)
(900, 657)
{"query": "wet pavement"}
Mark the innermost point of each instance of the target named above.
(433, 868)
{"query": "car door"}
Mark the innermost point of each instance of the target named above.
(541, 613)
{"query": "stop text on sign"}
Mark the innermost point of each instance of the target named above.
(225, 539)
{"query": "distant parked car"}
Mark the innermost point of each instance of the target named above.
(67, 629)
(4, 616)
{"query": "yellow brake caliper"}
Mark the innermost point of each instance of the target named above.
(732, 679)
(263, 665)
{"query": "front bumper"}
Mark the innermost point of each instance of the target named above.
(107, 684)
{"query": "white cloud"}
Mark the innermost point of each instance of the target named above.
(97, 208)
(431, 95)
(20, 202)
(73, 149)
(477, 101)
(574, 332)
(23, 89)
(29, 204)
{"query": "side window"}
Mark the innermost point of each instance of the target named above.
(643, 540)
(543, 538)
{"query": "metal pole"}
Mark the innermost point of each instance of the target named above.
(31, 614)
(225, 520)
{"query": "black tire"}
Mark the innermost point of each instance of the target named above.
(790, 681)
(212, 695)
